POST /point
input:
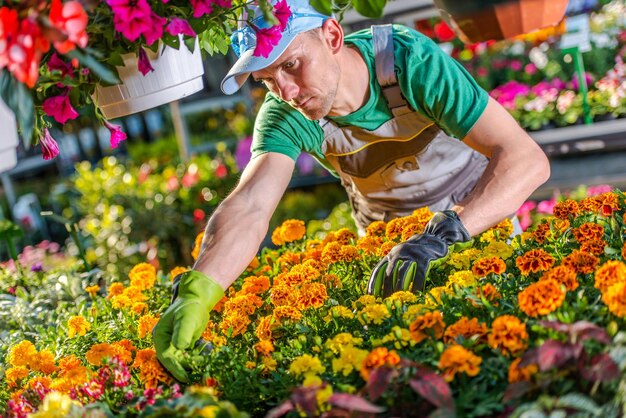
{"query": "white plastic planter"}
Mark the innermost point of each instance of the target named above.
(9, 141)
(177, 73)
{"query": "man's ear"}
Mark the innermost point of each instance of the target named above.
(332, 33)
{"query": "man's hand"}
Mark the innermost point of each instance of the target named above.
(407, 265)
(182, 324)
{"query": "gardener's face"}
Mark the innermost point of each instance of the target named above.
(306, 75)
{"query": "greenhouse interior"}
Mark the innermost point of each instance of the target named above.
(201, 214)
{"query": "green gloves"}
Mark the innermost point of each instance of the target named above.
(182, 324)
(407, 265)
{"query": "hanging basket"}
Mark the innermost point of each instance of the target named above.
(483, 20)
(177, 73)
(8, 145)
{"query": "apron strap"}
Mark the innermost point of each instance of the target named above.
(384, 61)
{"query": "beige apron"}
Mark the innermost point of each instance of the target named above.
(406, 163)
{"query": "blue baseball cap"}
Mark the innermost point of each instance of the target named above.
(303, 18)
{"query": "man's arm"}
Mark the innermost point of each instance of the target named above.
(517, 166)
(238, 226)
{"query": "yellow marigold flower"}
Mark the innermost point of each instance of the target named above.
(466, 328)
(77, 325)
(402, 297)
(615, 299)
(13, 375)
(269, 364)
(427, 325)
(609, 273)
(533, 261)
(292, 230)
(374, 314)
(341, 341)
(376, 229)
(43, 362)
(54, 405)
(498, 249)
(339, 312)
(264, 347)
(423, 214)
(313, 295)
(433, 297)
(508, 334)
(250, 365)
(378, 357)
(210, 411)
(306, 364)
(197, 245)
(562, 275)
(115, 289)
(581, 262)
(565, 209)
(463, 278)
(456, 359)
(503, 229)
(22, 354)
(413, 311)
(99, 352)
(364, 301)
(521, 374)
(121, 302)
(464, 259)
(350, 359)
(541, 298)
(399, 337)
(92, 290)
(145, 325)
(484, 266)
(176, 271)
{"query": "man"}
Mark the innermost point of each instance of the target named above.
(376, 109)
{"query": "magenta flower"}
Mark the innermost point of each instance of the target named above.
(546, 206)
(266, 40)
(201, 7)
(117, 135)
(530, 68)
(155, 31)
(224, 4)
(282, 13)
(131, 17)
(143, 63)
(49, 147)
(507, 92)
(178, 26)
(57, 64)
(60, 108)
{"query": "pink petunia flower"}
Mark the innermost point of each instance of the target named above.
(57, 64)
(143, 62)
(155, 31)
(201, 7)
(60, 108)
(49, 147)
(178, 26)
(117, 135)
(282, 13)
(131, 17)
(266, 40)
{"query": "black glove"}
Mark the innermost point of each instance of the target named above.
(407, 265)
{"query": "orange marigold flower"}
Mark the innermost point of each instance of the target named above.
(456, 359)
(292, 230)
(541, 298)
(428, 325)
(277, 238)
(503, 229)
(489, 292)
(22, 354)
(235, 324)
(521, 374)
(581, 262)
(145, 325)
(331, 252)
(615, 299)
(394, 228)
(332, 281)
(541, 232)
(286, 312)
(376, 229)
(139, 308)
(144, 278)
(533, 261)
(289, 259)
(588, 231)
(560, 226)
(68, 363)
(609, 273)
(313, 295)
(624, 250)
(608, 203)
(115, 289)
(466, 328)
(13, 375)
(385, 248)
(283, 295)
(264, 347)
(378, 357)
(197, 245)
(77, 325)
(369, 244)
(43, 362)
(99, 352)
(92, 290)
(423, 214)
(344, 236)
(255, 285)
(484, 266)
(508, 334)
(593, 246)
(39, 381)
(565, 209)
(264, 327)
(142, 268)
(176, 271)
(410, 229)
(589, 204)
(562, 275)
(151, 373)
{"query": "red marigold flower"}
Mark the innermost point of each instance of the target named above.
(533, 261)
(588, 231)
(608, 203)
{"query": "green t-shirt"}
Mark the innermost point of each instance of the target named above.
(433, 83)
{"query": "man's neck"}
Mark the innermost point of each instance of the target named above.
(353, 90)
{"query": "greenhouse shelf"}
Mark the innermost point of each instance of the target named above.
(576, 139)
